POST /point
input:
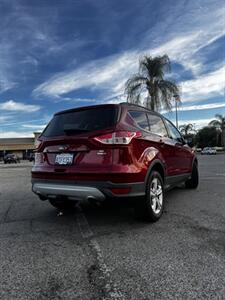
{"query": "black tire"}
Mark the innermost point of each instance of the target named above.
(62, 204)
(192, 183)
(144, 207)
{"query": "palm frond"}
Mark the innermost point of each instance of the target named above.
(219, 117)
(215, 123)
(133, 88)
(150, 77)
(154, 67)
(168, 90)
(186, 128)
(218, 122)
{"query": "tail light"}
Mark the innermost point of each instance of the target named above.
(38, 158)
(37, 144)
(118, 137)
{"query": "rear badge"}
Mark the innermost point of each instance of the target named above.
(101, 152)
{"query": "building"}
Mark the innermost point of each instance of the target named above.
(22, 147)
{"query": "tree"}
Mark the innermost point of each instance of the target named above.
(150, 79)
(189, 133)
(187, 129)
(219, 123)
(206, 137)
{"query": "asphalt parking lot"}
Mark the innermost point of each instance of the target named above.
(104, 252)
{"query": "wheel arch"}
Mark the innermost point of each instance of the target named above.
(156, 165)
(195, 160)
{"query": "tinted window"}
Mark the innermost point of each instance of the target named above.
(156, 125)
(173, 132)
(140, 118)
(81, 121)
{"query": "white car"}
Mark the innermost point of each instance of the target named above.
(208, 151)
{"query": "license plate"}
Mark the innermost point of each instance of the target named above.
(64, 159)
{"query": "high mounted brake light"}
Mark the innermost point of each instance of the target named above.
(118, 137)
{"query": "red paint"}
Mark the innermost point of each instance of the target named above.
(97, 160)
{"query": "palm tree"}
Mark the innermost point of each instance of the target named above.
(186, 129)
(150, 79)
(219, 123)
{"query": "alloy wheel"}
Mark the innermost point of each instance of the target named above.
(156, 196)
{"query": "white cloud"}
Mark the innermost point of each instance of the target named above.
(198, 123)
(6, 79)
(187, 42)
(35, 127)
(198, 107)
(109, 74)
(12, 105)
(30, 36)
(204, 86)
(4, 118)
(178, 49)
(15, 134)
(75, 99)
(5, 83)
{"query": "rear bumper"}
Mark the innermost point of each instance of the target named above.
(84, 190)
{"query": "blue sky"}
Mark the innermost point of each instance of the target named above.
(60, 54)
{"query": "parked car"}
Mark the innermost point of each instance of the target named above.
(31, 157)
(208, 151)
(112, 151)
(11, 158)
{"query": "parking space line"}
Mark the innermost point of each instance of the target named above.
(111, 290)
(212, 178)
(84, 226)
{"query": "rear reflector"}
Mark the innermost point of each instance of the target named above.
(120, 191)
(118, 137)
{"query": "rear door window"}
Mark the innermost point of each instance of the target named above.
(81, 121)
(140, 118)
(173, 132)
(156, 125)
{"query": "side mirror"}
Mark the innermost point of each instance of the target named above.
(189, 141)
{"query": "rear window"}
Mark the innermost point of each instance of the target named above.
(156, 125)
(140, 118)
(81, 121)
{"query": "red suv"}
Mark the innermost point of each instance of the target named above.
(112, 151)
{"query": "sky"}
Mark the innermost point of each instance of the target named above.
(60, 54)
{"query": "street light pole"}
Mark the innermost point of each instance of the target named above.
(176, 115)
(176, 108)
